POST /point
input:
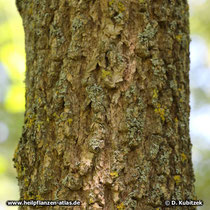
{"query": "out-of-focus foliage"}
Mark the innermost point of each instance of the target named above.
(12, 55)
(200, 20)
(203, 173)
(200, 96)
(8, 183)
(12, 68)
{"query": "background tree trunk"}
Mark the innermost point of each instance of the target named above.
(107, 103)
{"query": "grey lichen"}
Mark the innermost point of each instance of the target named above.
(154, 150)
(96, 96)
(129, 93)
(135, 127)
(135, 116)
(119, 18)
(148, 33)
(76, 24)
(144, 171)
(94, 91)
(96, 144)
(159, 69)
(131, 203)
(73, 181)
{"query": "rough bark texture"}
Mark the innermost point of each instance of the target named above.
(107, 103)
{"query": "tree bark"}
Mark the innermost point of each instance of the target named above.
(107, 103)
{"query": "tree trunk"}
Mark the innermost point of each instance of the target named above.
(107, 103)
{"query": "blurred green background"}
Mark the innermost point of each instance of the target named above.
(12, 68)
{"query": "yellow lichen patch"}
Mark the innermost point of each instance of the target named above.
(161, 111)
(55, 115)
(141, 1)
(31, 197)
(187, 7)
(179, 89)
(178, 38)
(27, 197)
(31, 120)
(111, 2)
(38, 197)
(114, 174)
(15, 154)
(62, 115)
(19, 169)
(121, 7)
(176, 122)
(105, 73)
(39, 100)
(26, 182)
(91, 201)
(39, 126)
(69, 121)
(177, 179)
(183, 157)
(155, 93)
(30, 123)
(121, 206)
(30, 9)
